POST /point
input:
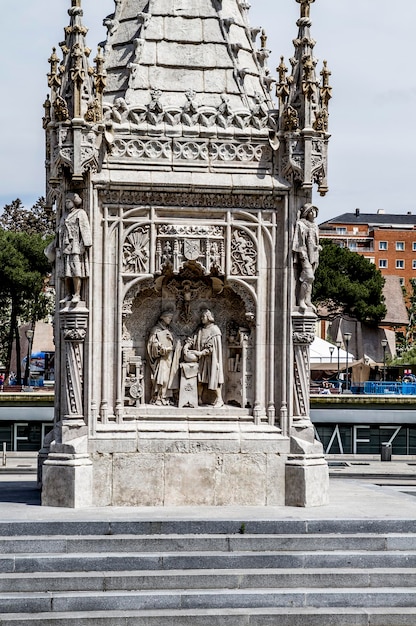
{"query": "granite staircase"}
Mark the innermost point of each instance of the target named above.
(210, 573)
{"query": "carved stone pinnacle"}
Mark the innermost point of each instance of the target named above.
(305, 7)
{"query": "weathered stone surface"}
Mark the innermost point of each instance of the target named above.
(241, 479)
(138, 480)
(67, 482)
(190, 479)
(307, 481)
(102, 479)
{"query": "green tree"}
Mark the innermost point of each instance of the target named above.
(24, 267)
(39, 219)
(24, 233)
(348, 283)
(406, 349)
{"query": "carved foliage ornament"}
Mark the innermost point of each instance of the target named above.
(303, 338)
(75, 334)
(243, 254)
(191, 113)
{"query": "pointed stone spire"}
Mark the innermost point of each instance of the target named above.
(303, 104)
(75, 102)
(174, 48)
(76, 84)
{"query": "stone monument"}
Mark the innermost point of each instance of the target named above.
(185, 256)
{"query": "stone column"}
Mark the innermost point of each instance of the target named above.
(307, 477)
(67, 472)
(303, 333)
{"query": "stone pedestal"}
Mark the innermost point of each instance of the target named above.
(190, 464)
(307, 481)
(67, 481)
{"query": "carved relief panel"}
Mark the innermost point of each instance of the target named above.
(177, 244)
(136, 251)
(183, 259)
(166, 314)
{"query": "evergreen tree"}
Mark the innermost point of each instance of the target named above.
(39, 219)
(348, 283)
(24, 234)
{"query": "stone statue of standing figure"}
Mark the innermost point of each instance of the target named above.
(207, 346)
(306, 247)
(164, 360)
(74, 240)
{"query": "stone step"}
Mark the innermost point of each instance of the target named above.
(208, 579)
(83, 562)
(201, 527)
(370, 616)
(204, 543)
(205, 599)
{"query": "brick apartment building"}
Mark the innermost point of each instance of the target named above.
(386, 239)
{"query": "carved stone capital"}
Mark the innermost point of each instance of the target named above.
(303, 328)
(75, 334)
(74, 322)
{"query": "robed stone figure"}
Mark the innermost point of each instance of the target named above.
(207, 345)
(163, 360)
(74, 240)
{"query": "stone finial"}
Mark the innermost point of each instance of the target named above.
(282, 69)
(305, 7)
(54, 79)
(282, 89)
(100, 80)
(326, 89)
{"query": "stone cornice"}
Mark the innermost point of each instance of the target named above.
(125, 197)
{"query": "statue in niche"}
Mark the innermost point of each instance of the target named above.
(74, 240)
(306, 247)
(206, 346)
(164, 357)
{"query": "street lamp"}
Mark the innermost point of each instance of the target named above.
(347, 339)
(338, 344)
(384, 344)
(331, 352)
(29, 334)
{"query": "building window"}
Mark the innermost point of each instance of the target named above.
(382, 245)
(414, 264)
(414, 246)
(401, 280)
(399, 245)
(382, 264)
(341, 231)
(399, 264)
(352, 245)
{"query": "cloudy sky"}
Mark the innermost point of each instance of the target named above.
(369, 48)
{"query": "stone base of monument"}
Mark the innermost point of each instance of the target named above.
(67, 480)
(185, 463)
(307, 480)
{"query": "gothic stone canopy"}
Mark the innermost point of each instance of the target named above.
(184, 317)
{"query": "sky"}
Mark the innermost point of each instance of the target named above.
(369, 48)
